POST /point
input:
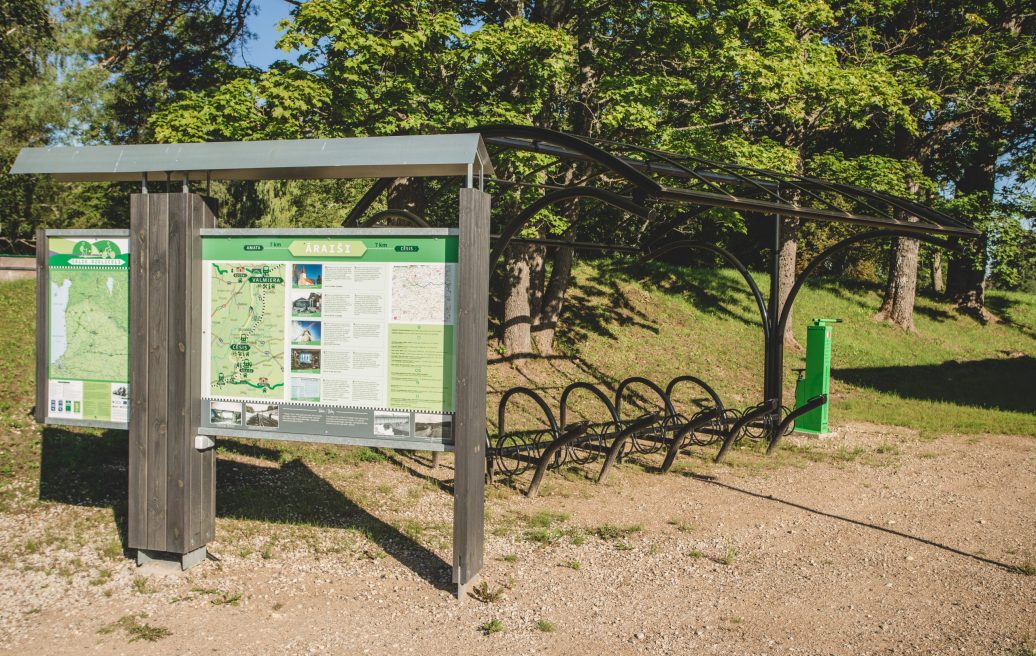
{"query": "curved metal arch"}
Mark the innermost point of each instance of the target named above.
(584, 148)
(729, 257)
(400, 213)
(525, 391)
(647, 383)
(697, 381)
(515, 225)
(815, 263)
(379, 187)
(596, 392)
(768, 183)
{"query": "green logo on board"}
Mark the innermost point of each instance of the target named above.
(328, 248)
(103, 249)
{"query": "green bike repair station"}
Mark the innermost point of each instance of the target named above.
(815, 379)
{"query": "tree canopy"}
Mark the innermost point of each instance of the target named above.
(928, 99)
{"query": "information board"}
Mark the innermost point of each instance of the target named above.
(87, 315)
(345, 338)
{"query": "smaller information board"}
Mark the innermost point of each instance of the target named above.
(87, 317)
(335, 336)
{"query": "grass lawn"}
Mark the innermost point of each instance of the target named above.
(953, 375)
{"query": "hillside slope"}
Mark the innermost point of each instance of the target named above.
(953, 375)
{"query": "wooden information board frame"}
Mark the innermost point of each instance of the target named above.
(255, 239)
(172, 482)
(44, 324)
(172, 463)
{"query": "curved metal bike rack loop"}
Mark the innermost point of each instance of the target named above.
(694, 423)
(502, 452)
(764, 408)
(643, 422)
(788, 421)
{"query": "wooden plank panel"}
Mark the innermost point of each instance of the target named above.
(201, 491)
(177, 374)
(42, 324)
(209, 457)
(157, 356)
(211, 221)
(138, 417)
(470, 421)
(195, 460)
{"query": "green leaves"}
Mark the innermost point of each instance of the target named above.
(284, 102)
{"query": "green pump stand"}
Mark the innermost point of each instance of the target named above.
(816, 378)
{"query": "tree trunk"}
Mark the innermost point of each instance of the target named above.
(938, 283)
(901, 288)
(517, 321)
(786, 268)
(537, 278)
(966, 278)
(897, 306)
(966, 283)
(407, 194)
(546, 324)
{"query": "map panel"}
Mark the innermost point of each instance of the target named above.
(89, 337)
(246, 347)
(345, 336)
(423, 293)
(88, 328)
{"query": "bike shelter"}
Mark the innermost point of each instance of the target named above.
(172, 253)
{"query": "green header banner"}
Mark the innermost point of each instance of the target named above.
(87, 252)
(344, 248)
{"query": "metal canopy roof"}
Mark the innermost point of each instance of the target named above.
(364, 157)
(684, 179)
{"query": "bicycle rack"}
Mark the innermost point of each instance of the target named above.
(559, 443)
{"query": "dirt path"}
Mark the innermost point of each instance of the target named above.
(875, 542)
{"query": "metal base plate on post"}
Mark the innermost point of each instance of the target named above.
(165, 562)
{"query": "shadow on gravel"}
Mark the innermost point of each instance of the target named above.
(86, 469)
(982, 559)
(89, 469)
(403, 460)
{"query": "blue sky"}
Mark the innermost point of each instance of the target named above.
(261, 51)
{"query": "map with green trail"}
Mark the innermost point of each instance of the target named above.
(246, 354)
(89, 315)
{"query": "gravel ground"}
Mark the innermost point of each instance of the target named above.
(878, 540)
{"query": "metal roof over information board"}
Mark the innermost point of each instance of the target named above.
(361, 157)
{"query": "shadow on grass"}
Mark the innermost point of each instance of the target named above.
(1004, 384)
(84, 469)
(1005, 309)
(938, 545)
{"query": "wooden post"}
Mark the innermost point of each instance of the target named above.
(470, 420)
(172, 490)
(42, 324)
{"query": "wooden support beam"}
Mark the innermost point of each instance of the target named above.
(171, 483)
(470, 419)
(42, 324)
